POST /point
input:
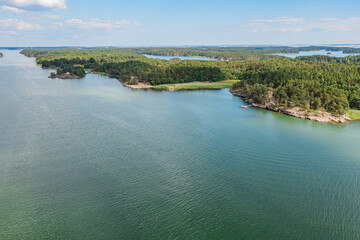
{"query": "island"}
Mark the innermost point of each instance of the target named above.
(69, 72)
(319, 88)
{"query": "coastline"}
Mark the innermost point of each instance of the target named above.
(65, 76)
(139, 86)
(318, 116)
(185, 86)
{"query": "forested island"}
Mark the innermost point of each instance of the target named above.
(69, 72)
(321, 88)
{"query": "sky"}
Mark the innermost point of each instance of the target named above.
(131, 23)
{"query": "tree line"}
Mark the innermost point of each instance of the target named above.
(317, 82)
(334, 87)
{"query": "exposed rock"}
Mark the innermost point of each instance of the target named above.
(64, 76)
(138, 86)
(318, 116)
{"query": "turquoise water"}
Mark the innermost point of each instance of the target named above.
(321, 52)
(180, 57)
(89, 159)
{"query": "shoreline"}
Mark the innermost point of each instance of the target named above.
(317, 116)
(65, 76)
(185, 86)
(139, 86)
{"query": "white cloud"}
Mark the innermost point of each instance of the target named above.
(52, 16)
(52, 23)
(11, 9)
(36, 4)
(8, 34)
(11, 25)
(284, 20)
(289, 24)
(100, 24)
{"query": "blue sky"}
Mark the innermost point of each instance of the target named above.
(174, 22)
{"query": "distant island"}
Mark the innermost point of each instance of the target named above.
(320, 88)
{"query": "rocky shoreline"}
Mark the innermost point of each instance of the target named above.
(138, 86)
(64, 76)
(318, 116)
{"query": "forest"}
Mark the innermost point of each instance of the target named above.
(322, 59)
(236, 53)
(219, 53)
(334, 87)
(312, 83)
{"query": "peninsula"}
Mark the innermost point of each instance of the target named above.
(320, 88)
(318, 115)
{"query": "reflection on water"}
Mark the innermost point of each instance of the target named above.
(90, 159)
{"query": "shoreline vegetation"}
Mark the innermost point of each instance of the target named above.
(354, 114)
(319, 115)
(319, 88)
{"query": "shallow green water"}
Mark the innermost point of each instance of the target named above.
(89, 159)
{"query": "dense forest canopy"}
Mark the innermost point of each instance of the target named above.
(220, 53)
(236, 53)
(312, 83)
(330, 86)
(329, 48)
(322, 58)
(133, 68)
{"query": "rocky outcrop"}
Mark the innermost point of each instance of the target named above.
(318, 116)
(138, 86)
(64, 76)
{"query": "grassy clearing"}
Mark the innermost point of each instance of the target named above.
(197, 85)
(354, 114)
(99, 73)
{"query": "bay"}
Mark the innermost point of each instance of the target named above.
(90, 159)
